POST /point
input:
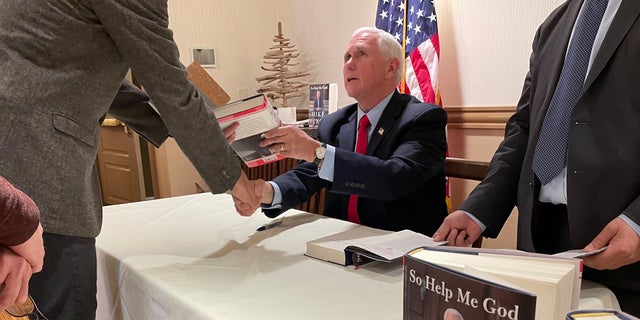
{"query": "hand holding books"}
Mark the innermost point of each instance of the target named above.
(291, 141)
(623, 246)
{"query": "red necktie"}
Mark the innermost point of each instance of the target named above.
(361, 148)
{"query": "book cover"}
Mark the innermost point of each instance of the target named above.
(322, 101)
(256, 116)
(434, 292)
(553, 281)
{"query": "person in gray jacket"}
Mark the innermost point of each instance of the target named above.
(62, 63)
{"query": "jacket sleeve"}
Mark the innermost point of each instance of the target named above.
(132, 106)
(140, 30)
(297, 186)
(19, 215)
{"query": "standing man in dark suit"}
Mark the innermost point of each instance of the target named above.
(592, 199)
(62, 63)
(399, 181)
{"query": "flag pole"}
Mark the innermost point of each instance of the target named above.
(404, 49)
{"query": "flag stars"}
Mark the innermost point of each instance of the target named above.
(399, 22)
(432, 17)
(420, 13)
(384, 15)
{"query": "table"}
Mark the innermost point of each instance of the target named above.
(194, 257)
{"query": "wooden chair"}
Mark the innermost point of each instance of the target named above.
(466, 169)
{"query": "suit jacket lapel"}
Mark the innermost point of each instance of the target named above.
(622, 22)
(387, 121)
(347, 135)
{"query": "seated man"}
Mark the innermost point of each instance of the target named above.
(399, 182)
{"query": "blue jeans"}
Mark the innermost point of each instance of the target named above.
(66, 286)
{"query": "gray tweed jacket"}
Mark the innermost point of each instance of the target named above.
(61, 65)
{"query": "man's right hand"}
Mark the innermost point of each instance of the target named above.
(246, 195)
(15, 273)
(458, 230)
(32, 250)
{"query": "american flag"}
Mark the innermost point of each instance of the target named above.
(413, 23)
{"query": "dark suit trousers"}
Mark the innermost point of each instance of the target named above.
(65, 289)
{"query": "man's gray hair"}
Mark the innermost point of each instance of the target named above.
(389, 47)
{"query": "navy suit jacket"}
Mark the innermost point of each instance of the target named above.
(400, 180)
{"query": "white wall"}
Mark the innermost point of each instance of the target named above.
(485, 47)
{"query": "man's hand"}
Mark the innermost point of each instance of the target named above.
(292, 142)
(230, 132)
(624, 246)
(246, 195)
(458, 229)
(32, 250)
(15, 273)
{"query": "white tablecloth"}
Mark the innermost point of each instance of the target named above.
(193, 257)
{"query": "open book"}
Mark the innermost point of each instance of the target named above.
(363, 244)
(256, 116)
(487, 283)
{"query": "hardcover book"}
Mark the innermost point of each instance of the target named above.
(599, 314)
(362, 244)
(323, 99)
(489, 284)
(256, 116)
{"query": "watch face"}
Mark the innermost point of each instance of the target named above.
(320, 152)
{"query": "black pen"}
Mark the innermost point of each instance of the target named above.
(270, 225)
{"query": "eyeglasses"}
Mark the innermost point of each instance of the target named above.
(27, 310)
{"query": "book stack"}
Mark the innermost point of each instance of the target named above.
(489, 284)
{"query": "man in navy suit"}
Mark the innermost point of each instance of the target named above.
(399, 180)
(594, 201)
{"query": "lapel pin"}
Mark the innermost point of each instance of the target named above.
(380, 131)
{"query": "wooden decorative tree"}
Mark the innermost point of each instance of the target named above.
(281, 83)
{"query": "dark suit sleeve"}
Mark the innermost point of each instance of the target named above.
(297, 186)
(131, 106)
(417, 155)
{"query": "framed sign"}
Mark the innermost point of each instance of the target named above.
(206, 57)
